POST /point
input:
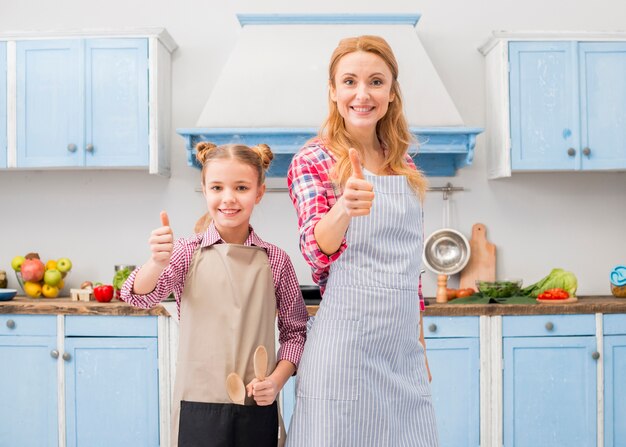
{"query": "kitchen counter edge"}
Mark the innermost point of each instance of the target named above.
(584, 305)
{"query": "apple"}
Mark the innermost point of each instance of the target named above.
(32, 270)
(52, 277)
(16, 262)
(50, 291)
(32, 289)
(64, 265)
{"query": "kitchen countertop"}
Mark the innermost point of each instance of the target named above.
(584, 305)
(25, 305)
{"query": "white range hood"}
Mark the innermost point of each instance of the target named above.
(274, 88)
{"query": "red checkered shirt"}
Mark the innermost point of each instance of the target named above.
(292, 312)
(314, 194)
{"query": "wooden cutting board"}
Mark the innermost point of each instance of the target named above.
(482, 262)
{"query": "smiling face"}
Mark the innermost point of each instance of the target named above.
(231, 189)
(362, 90)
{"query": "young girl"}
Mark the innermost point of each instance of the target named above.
(364, 379)
(228, 284)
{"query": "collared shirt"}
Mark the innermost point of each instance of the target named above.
(292, 313)
(313, 194)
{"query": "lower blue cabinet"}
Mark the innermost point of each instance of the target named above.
(111, 381)
(28, 380)
(549, 380)
(453, 351)
(614, 380)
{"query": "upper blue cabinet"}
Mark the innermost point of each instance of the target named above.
(90, 102)
(555, 105)
(3, 105)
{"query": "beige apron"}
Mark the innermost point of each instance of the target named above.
(227, 309)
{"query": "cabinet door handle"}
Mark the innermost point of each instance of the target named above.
(571, 152)
(595, 355)
(10, 324)
(549, 326)
(54, 354)
(71, 147)
(66, 356)
(89, 148)
(432, 327)
(586, 152)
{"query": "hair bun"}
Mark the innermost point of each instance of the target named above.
(202, 149)
(265, 153)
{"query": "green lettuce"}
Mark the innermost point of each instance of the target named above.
(558, 278)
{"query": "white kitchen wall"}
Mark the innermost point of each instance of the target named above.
(576, 221)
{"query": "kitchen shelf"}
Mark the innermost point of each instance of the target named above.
(442, 150)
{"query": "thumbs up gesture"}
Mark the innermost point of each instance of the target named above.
(358, 193)
(162, 242)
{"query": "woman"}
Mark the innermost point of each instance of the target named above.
(363, 378)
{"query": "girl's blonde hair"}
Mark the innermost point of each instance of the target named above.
(259, 156)
(392, 129)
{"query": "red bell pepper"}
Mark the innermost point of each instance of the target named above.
(554, 294)
(103, 293)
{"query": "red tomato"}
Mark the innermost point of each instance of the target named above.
(462, 293)
(103, 293)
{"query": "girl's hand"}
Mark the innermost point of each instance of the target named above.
(162, 242)
(358, 193)
(263, 391)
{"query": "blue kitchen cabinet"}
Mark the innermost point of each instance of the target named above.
(28, 380)
(3, 105)
(82, 103)
(602, 74)
(614, 380)
(453, 350)
(288, 403)
(567, 105)
(111, 381)
(549, 380)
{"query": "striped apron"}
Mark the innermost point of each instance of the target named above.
(362, 380)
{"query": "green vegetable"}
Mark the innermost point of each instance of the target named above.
(558, 278)
(498, 289)
(120, 278)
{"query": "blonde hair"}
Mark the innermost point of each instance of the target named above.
(392, 129)
(259, 156)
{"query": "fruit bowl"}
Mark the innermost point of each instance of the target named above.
(499, 289)
(38, 291)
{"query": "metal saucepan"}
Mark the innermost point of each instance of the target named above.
(446, 252)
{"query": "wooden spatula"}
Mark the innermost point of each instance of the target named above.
(260, 362)
(236, 389)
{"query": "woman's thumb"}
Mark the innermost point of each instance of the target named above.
(357, 171)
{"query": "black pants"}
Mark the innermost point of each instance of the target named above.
(227, 425)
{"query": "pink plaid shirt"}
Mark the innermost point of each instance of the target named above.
(292, 313)
(314, 194)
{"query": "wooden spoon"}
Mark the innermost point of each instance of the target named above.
(236, 389)
(260, 362)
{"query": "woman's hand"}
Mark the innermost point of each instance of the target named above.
(162, 242)
(264, 391)
(358, 193)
